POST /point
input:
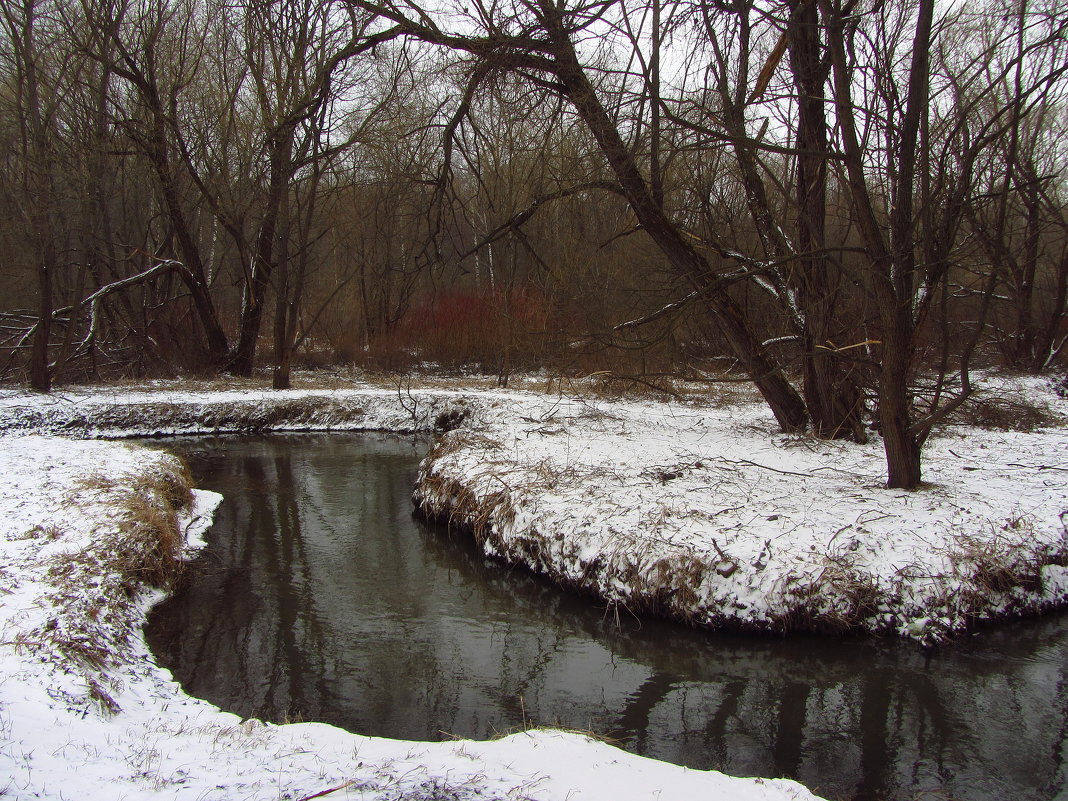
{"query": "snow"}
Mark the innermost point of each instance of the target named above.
(709, 515)
(701, 511)
(86, 713)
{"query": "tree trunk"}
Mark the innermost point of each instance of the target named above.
(37, 177)
(242, 360)
(891, 276)
(1026, 330)
(785, 403)
(194, 275)
(263, 262)
(777, 391)
(283, 343)
(900, 443)
(1046, 344)
(40, 375)
(283, 351)
(834, 402)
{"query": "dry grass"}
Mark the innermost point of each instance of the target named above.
(47, 532)
(136, 541)
(993, 564)
(192, 383)
(144, 544)
(999, 412)
(700, 391)
(673, 582)
(456, 441)
(462, 508)
(340, 378)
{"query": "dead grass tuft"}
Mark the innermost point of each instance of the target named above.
(836, 597)
(48, 533)
(462, 508)
(144, 543)
(170, 484)
(103, 699)
(149, 543)
(995, 563)
(458, 440)
(79, 644)
(670, 584)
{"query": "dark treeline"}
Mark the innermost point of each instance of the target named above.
(854, 202)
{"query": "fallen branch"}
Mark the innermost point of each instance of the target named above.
(94, 299)
(765, 467)
(327, 792)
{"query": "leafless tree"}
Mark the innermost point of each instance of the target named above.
(36, 70)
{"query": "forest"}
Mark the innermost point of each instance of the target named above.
(852, 204)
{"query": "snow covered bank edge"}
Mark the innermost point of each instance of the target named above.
(84, 709)
(655, 526)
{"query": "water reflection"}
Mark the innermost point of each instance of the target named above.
(321, 598)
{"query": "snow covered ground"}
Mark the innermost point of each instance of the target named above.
(86, 714)
(699, 511)
(709, 515)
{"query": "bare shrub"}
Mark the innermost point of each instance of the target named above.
(993, 563)
(1002, 413)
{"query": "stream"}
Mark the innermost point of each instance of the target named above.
(320, 597)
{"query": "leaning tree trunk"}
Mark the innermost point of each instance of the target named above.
(194, 276)
(784, 401)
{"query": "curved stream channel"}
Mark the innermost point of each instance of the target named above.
(320, 597)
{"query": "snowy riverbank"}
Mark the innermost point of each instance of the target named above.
(86, 713)
(707, 514)
(703, 512)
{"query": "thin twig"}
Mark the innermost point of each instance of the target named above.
(320, 794)
(765, 467)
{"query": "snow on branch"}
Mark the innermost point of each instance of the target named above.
(94, 299)
(648, 318)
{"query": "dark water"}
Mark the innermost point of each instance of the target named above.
(321, 598)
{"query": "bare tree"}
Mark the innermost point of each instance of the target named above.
(156, 47)
(1018, 218)
(538, 41)
(784, 184)
(37, 84)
